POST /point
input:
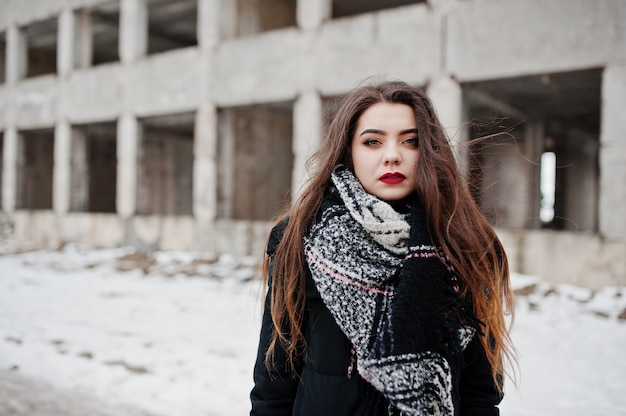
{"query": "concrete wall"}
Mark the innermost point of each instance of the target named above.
(440, 44)
(577, 258)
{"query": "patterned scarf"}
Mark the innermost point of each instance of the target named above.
(393, 294)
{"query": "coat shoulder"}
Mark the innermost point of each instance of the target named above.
(275, 236)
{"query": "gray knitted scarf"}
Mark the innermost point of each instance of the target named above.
(393, 294)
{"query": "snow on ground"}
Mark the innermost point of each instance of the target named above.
(176, 333)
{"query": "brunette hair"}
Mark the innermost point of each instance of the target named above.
(458, 226)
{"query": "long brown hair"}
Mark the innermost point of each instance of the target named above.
(457, 223)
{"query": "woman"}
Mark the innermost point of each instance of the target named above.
(387, 286)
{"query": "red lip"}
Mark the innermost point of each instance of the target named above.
(392, 178)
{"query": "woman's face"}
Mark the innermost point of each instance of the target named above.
(385, 151)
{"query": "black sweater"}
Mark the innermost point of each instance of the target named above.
(328, 382)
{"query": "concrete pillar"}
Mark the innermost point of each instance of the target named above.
(16, 55)
(447, 97)
(533, 148)
(205, 175)
(83, 39)
(133, 30)
(246, 18)
(79, 171)
(579, 183)
(209, 22)
(307, 136)
(65, 43)
(61, 187)
(226, 168)
(128, 143)
(612, 204)
(228, 17)
(205, 164)
(3, 58)
(312, 14)
(9, 170)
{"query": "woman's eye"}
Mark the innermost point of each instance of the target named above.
(371, 142)
(412, 141)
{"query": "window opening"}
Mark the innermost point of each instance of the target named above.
(41, 47)
(255, 160)
(344, 8)
(556, 113)
(248, 17)
(35, 169)
(97, 35)
(172, 24)
(94, 167)
(548, 187)
(166, 165)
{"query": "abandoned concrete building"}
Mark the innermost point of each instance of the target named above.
(185, 124)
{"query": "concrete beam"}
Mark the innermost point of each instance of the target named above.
(36, 102)
(488, 39)
(95, 95)
(481, 97)
(22, 12)
(278, 59)
(399, 43)
(167, 83)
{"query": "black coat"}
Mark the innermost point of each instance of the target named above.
(325, 385)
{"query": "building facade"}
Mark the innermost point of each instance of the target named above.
(186, 124)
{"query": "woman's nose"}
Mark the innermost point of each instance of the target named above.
(392, 155)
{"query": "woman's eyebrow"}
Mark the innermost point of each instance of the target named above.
(376, 131)
(373, 131)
